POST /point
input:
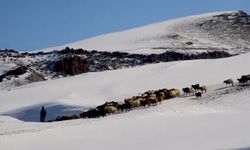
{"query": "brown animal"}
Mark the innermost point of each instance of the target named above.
(160, 97)
(149, 100)
(152, 100)
(229, 82)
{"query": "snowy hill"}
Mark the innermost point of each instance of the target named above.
(214, 35)
(217, 120)
(214, 31)
(206, 123)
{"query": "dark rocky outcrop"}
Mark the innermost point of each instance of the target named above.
(175, 56)
(71, 61)
(239, 18)
(35, 76)
(14, 72)
(72, 65)
(233, 28)
(189, 43)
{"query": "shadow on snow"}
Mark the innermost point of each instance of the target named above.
(32, 113)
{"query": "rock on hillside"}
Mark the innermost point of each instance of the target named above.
(71, 65)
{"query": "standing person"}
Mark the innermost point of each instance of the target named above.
(42, 114)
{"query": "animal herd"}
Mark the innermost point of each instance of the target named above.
(244, 79)
(148, 98)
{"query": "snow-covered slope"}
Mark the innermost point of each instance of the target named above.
(213, 31)
(216, 121)
(95, 88)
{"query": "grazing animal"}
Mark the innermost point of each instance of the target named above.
(229, 82)
(149, 100)
(203, 89)
(103, 106)
(133, 103)
(177, 92)
(247, 77)
(165, 91)
(198, 94)
(61, 118)
(124, 107)
(152, 100)
(188, 90)
(120, 106)
(244, 79)
(173, 93)
(149, 92)
(110, 109)
(144, 102)
(160, 96)
(92, 113)
(196, 87)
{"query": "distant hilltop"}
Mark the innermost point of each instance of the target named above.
(227, 31)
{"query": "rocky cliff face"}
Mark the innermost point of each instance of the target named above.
(72, 65)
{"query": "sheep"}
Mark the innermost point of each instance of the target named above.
(92, 113)
(133, 103)
(165, 91)
(203, 89)
(196, 87)
(102, 107)
(149, 92)
(61, 118)
(177, 92)
(188, 90)
(247, 77)
(110, 109)
(124, 107)
(173, 93)
(144, 102)
(244, 79)
(198, 94)
(229, 82)
(160, 97)
(152, 100)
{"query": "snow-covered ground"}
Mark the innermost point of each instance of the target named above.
(169, 35)
(215, 121)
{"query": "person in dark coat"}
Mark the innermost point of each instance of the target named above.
(42, 114)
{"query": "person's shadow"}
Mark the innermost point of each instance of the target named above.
(32, 113)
